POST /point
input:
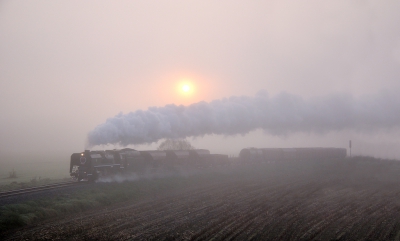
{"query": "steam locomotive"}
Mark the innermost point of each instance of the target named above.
(90, 165)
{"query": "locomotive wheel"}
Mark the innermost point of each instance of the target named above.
(93, 177)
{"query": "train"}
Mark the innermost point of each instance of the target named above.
(90, 165)
(256, 155)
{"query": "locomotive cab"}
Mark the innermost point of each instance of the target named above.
(81, 166)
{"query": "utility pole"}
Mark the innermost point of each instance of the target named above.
(350, 147)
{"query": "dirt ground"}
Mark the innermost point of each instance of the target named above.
(355, 199)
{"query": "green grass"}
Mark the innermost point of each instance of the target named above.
(35, 181)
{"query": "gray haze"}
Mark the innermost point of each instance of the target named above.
(67, 66)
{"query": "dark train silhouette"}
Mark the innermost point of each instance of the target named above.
(89, 165)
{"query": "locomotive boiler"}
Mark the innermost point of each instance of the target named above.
(90, 165)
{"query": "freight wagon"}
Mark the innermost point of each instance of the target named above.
(254, 155)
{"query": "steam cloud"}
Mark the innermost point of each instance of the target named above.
(279, 115)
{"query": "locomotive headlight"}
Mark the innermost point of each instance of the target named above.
(81, 154)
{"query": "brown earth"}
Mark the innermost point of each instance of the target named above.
(333, 200)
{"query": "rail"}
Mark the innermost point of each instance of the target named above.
(36, 189)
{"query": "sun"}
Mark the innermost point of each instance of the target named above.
(185, 88)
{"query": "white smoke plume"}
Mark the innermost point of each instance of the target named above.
(279, 115)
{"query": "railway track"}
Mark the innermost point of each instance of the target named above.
(36, 189)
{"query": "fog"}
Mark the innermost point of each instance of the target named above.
(67, 67)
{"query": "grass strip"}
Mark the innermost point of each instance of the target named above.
(34, 182)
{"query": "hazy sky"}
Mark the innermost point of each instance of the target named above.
(67, 66)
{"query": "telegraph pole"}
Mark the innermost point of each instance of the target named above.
(350, 147)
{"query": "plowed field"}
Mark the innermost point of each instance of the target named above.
(333, 200)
